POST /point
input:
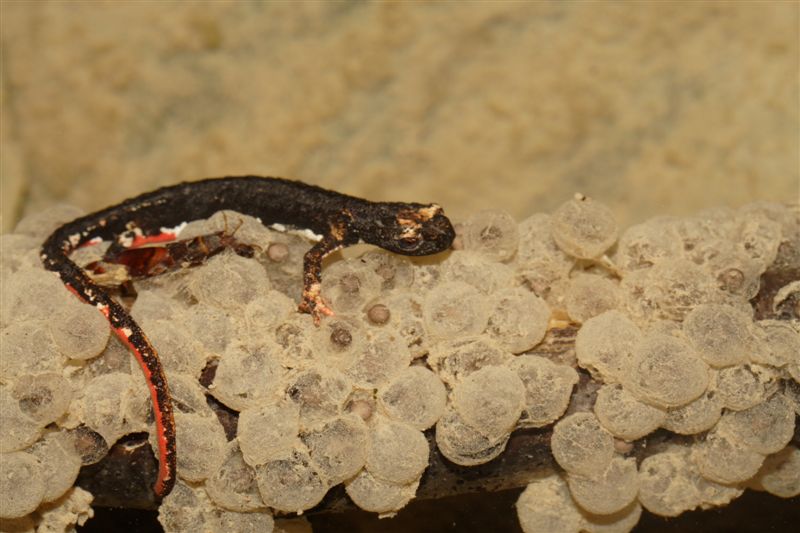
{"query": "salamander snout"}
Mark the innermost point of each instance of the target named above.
(423, 230)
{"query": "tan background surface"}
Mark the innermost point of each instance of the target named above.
(651, 107)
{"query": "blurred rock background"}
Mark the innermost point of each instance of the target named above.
(650, 107)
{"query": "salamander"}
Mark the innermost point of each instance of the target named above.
(336, 220)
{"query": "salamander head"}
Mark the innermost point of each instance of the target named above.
(407, 229)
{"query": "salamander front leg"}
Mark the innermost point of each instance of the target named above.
(312, 277)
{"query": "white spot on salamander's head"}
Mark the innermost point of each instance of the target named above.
(74, 239)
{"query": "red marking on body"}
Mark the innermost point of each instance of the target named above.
(74, 291)
(163, 457)
(90, 242)
(141, 240)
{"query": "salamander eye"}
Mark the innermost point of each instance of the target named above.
(429, 233)
(408, 244)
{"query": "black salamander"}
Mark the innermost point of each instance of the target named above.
(339, 221)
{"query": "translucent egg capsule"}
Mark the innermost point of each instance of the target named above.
(584, 228)
(43, 397)
(395, 271)
(154, 304)
(200, 444)
(780, 473)
(721, 458)
(338, 448)
(581, 445)
(589, 296)
(377, 495)
(28, 348)
(455, 360)
(620, 522)
(106, 402)
(518, 320)
(179, 353)
(665, 372)
(79, 330)
(294, 337)
(540, 262)
(744, 386)
(396, 452)
(183, 509)
(490, 400)
(477, 270)
(405, 316)
(666, 483)
(548, 388)
(22, 485)
(493, 233)
(546, 505)
(245, 228)
(339, 341)
(268, 432)
(734, 270)
(625, 416)
(266, 313)
(13, 251)
(643, 245)
(212, 329)
(227, 281)
(536, 242)
(765, 428)
(59, 462)
(544, 277)
(29, 290)
(758, 236)
(382, 357)
(455, 309)
(696, 416)
(188, 395)
(669, 290)
(706, 227)
(604, 345)
(348, 285)
(320, 395)
(291, 485)
(611, 491)
(781, 346)
(415, 396)
(233, 485)
(248, 376)
(464, 445)
(714, 494)
(721, 334)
